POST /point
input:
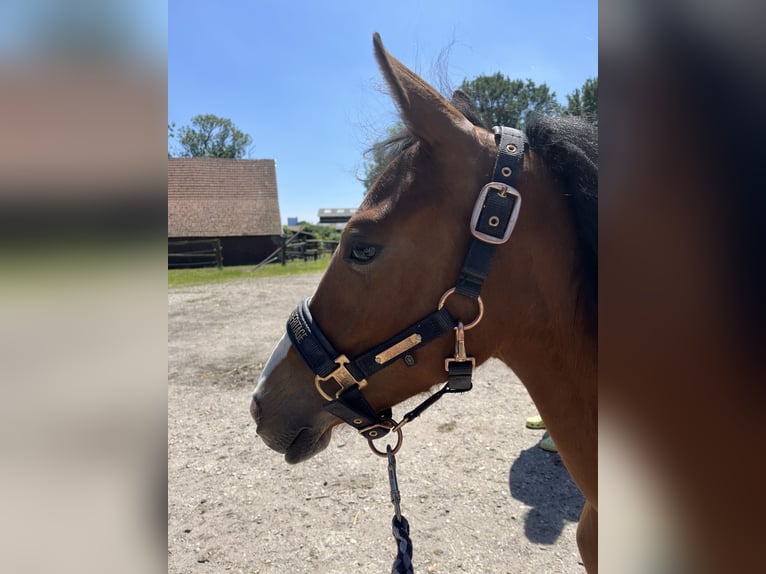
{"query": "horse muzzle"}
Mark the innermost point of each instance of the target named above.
(288, 436)
(286, 409)
(297, 444)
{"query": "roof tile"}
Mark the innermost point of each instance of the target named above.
(210, 197)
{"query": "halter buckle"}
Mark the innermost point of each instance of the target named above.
(342, 377)
(502, 190)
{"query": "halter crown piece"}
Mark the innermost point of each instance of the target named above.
(340, 380)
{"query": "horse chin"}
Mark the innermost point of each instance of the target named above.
(306, 445)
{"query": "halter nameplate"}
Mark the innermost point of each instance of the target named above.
(396, 350)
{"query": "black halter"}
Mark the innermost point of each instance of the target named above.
(492, 222)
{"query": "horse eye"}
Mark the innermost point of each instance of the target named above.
(363, 254)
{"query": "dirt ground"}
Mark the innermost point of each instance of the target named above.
(479, 494)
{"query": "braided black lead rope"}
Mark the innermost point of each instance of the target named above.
(400, 526)
(459, 382)
(403, 560)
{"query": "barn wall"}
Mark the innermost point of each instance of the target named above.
(248, 250)
(236, 250)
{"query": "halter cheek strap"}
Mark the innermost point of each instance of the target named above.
(341, 380)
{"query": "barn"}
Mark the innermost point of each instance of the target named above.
(232, 200)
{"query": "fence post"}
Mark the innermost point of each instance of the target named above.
(218, 254)
(283, 252)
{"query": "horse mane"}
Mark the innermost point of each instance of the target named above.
(569, 148)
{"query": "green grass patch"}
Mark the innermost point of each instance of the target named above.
(209, 275)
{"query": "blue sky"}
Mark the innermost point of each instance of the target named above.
(301, 79)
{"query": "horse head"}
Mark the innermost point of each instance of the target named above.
(403, 250)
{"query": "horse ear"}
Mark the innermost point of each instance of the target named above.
(428, 115)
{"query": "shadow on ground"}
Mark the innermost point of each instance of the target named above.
(540, 480)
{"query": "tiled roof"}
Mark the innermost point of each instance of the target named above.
(210, 197)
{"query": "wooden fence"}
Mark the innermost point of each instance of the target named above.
(205, 257)
(308, 248)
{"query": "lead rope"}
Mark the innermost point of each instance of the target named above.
(400, 526)
(459, 381)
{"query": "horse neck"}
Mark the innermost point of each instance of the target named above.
(556, 362)
(542, 353)
(540, 330)
(534, 283)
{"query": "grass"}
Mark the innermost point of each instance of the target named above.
(210, 275)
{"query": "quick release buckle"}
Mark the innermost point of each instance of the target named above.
(493, 221)
(341, 376)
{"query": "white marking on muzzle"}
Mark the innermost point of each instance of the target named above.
(277, 356)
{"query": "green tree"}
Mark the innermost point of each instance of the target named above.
(171, 135)
(500, 102)
(211, 136)
(583, 102)
(505, 102)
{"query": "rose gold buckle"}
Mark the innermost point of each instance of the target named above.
(504, 191)
(342, 377)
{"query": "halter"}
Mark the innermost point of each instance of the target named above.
(493, 219)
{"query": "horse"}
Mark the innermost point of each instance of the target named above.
(398, 260)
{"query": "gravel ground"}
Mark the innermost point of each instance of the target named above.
(479, 494)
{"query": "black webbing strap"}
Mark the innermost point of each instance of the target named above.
(459, 381)
(511, 145)
(320, 355)
(494, 214)
(310, 342)
(429, 328)
(475, 269)
(352, 408)
(459, 376)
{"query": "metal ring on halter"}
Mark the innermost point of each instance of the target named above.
(394, 450)
(478, 318)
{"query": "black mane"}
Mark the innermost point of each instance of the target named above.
(569, 149)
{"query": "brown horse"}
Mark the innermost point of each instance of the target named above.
(403, 249)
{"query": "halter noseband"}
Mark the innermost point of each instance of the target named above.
(492, 222)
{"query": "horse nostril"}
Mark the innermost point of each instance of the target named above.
(254, 411)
